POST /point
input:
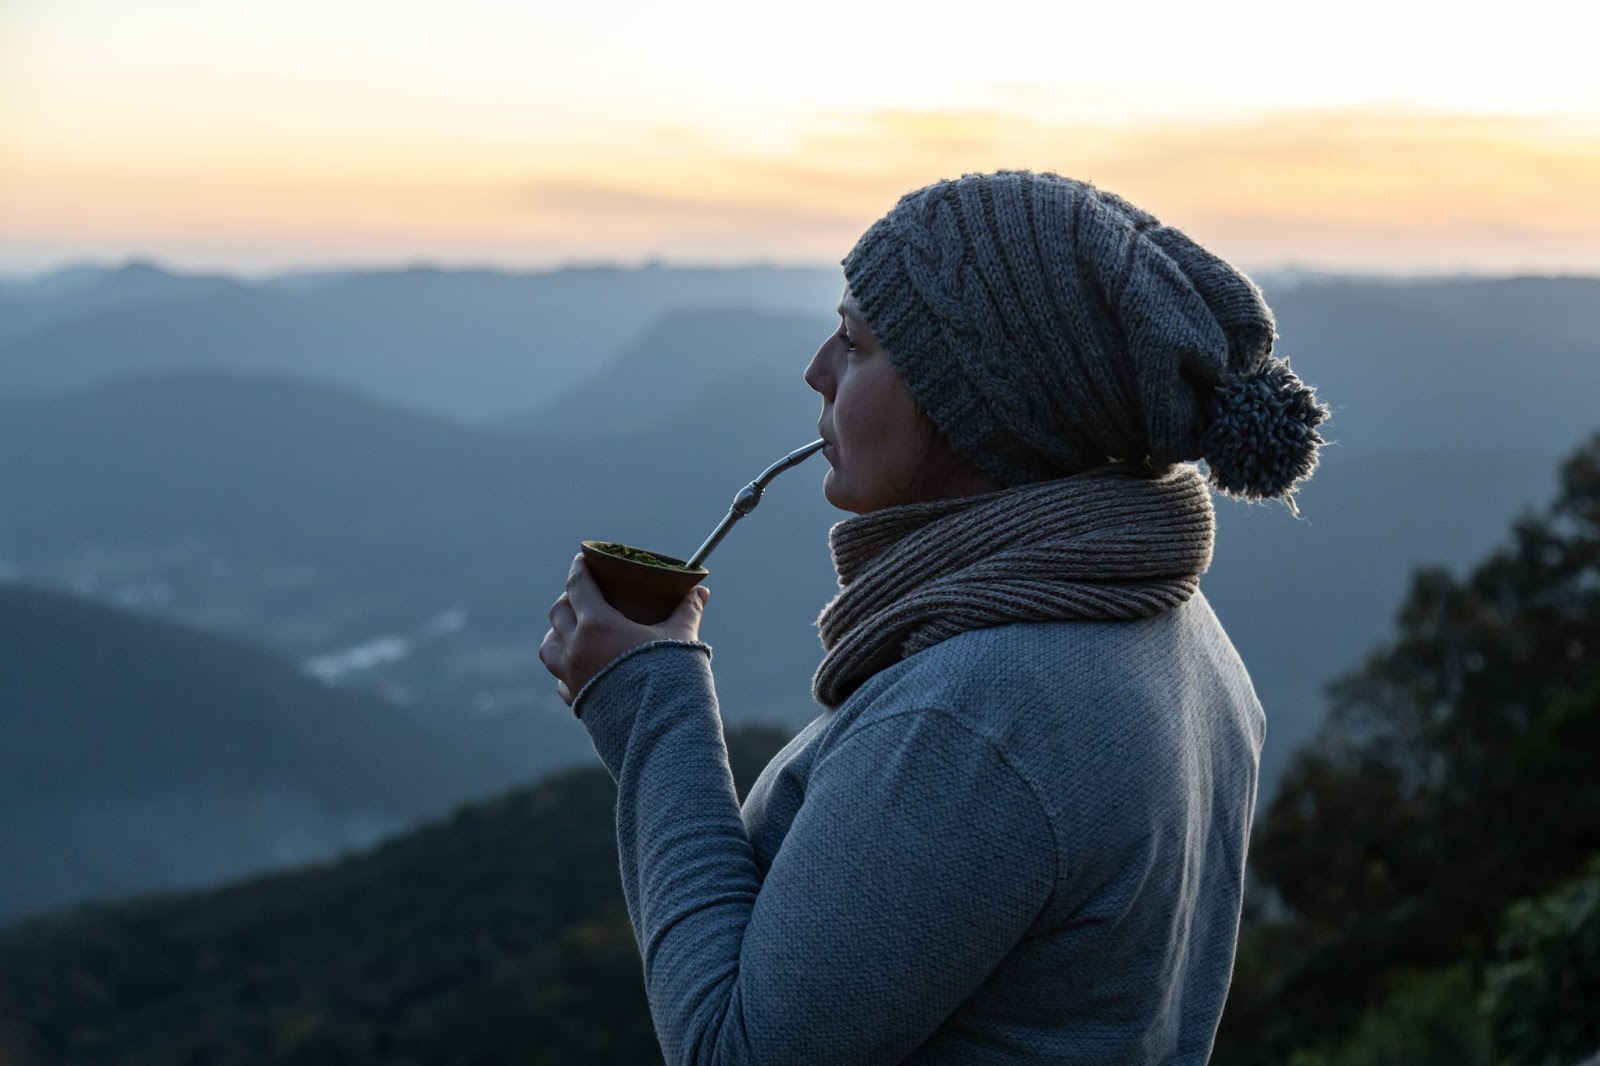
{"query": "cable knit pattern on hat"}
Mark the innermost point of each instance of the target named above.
(1048, 327)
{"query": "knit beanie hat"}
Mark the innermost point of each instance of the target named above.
(1048, 327)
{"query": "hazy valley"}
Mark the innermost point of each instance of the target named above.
(337, 506)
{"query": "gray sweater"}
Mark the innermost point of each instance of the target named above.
(1025, 844)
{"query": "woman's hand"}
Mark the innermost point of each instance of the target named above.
(586, 632)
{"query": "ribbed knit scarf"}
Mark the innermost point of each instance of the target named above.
(1106, 544)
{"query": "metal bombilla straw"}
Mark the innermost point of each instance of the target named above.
(749, 496)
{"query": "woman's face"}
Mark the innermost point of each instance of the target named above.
(881, 451)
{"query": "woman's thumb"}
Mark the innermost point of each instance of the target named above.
(692, 607)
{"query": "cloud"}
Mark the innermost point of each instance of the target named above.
(1413, 186)
(1397, 188)
(615, 205)
(1416, 171)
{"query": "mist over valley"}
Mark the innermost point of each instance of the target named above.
(379, 481)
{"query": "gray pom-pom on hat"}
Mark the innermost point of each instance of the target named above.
(1048, 327)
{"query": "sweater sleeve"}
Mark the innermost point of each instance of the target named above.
(917, 861)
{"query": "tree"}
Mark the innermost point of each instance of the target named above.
(1454, 775)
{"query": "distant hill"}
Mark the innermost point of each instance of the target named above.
(477, 345)
(497, 936)
(489, 346)
(1477, 365)
(136, 754)
(315, 520)
(711, 362)
(29, 306)
(340, 530)
(215, 454)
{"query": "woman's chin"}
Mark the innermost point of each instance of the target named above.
(835, 491)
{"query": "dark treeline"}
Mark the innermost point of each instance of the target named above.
(496, 936)
(1425, 884)
(1455, 776)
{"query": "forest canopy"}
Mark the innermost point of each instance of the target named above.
(1453, 778)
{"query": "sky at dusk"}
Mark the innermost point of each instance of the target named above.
(255, 137)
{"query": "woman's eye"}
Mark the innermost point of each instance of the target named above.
(849, 344)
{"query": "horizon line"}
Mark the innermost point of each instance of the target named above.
(443, 265)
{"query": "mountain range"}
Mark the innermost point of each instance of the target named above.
(475, 345)
(406, 542)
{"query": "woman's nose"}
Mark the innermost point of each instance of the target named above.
(816, 374)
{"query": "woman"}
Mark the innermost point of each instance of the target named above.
(1016, 833)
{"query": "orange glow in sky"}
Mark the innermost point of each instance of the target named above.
(263, 137)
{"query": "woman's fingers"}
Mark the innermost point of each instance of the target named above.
(563, 619)
(552, 654)
(583, 593)
(586, 632)
(563, 625)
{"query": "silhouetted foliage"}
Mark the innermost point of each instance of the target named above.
(1455, 775)
(1535, 1004)
(1429, 1019)
(496, 936)
(1543, 991)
